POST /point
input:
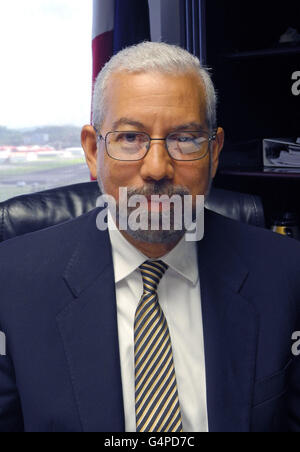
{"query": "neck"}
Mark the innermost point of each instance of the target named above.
(151, 250)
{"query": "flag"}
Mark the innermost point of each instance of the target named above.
(116, 25)
(103, 33)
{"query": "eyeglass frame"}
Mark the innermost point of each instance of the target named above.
(210, 139)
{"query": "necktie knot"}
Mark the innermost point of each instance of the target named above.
(152, 272)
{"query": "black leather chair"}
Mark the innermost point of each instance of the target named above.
(29, 213)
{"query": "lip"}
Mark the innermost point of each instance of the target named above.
(150, 201)
(154, 197)
(154, 206)
(154, 201)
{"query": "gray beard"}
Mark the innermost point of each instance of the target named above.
(171, 235)
(160, 236)
(168, 236)
(174, 231)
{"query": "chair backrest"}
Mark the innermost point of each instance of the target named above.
(243, 207)
(29, 213)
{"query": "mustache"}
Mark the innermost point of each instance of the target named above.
(158, 188)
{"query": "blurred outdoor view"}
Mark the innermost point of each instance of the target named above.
(45, 93)
(39, 159)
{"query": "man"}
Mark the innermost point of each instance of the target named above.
(142, 330)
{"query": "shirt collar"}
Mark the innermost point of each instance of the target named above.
(126, 257)
(182, 259)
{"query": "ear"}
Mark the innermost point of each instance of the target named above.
(89, 144)
(217, 148)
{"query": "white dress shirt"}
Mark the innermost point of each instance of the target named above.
(180, 300)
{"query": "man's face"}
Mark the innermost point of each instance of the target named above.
(157, 104)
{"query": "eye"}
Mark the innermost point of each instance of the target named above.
(183, 137)
(126, 137)
(131, 138)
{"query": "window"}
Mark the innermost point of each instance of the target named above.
(45, 92)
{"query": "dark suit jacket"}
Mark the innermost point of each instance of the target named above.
(58, 311)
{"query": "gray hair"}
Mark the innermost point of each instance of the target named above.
(158, 57)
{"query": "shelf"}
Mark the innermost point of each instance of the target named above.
(280, 51)
(271, 173)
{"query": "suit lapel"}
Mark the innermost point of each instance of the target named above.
(230, 331)
(88, 328)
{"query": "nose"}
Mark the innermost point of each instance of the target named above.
(157, 165)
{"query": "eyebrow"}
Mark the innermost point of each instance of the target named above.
(127, 122)
(140, 125)
(190, 126)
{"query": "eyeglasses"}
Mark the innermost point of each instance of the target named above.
(182, 146)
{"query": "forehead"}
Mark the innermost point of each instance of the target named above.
(153, 96)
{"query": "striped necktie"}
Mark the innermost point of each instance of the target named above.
(156, 396)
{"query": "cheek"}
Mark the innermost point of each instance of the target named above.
(114, 174)
(193, 176)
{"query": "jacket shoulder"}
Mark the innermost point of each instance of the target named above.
(47, 248)
(246, 236)
(262, 250)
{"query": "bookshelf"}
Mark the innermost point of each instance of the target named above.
(279, 190)
(284, 51)
(252, 72)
